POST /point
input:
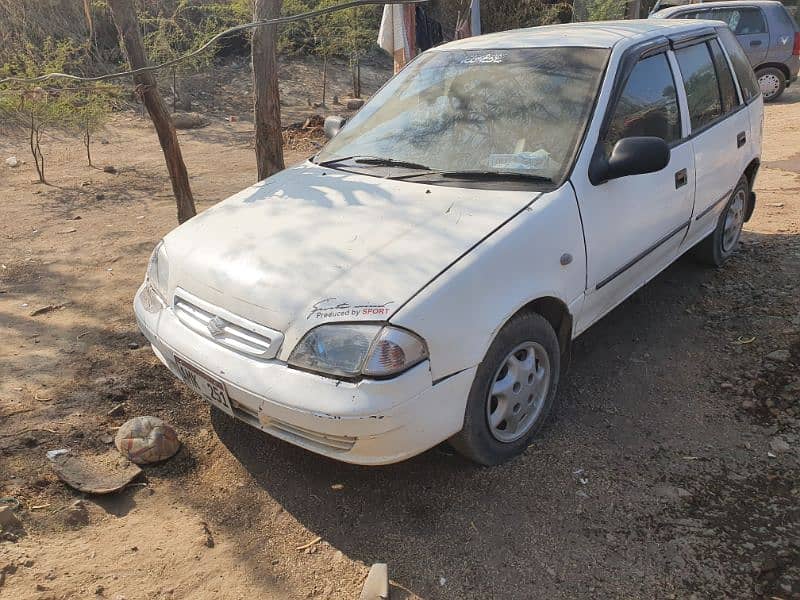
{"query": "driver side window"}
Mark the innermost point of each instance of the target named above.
(648, 105)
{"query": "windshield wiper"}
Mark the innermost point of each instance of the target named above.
(494, 175)
(375, 161)
(391, 162)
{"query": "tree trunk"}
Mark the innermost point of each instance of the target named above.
(87, 141)
(353, 59)
(124, 15)
(324, 78)
(633, 8)
(358, 77)
(36, 150)
(267, 108)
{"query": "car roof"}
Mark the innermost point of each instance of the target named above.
(666, 12)
(595, 34)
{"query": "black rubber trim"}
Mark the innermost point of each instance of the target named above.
(446, 377)
(713, 205)
(642, 255)
(681, 40)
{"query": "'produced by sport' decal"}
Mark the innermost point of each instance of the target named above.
(333, 308)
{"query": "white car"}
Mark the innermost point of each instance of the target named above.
(421, 278)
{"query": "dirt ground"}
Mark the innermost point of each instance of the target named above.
(671, 468)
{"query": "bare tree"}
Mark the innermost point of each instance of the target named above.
(267, 109)
(124, 15)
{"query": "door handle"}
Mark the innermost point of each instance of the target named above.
(680, 178)
(755, 43)
(741, 138)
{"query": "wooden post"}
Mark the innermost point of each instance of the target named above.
(124, 15)
(267, 108)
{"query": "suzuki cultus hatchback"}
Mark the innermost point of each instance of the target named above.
(421, 278)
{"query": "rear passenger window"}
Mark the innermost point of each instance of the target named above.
(696, 14)
(727, 88)
(742, 21)
(741, 65)
(702, 87)
(648, 104)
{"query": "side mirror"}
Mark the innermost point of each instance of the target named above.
(630, 156)
(332, 125)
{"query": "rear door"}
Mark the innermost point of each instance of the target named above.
(750, 26)
(720, 131)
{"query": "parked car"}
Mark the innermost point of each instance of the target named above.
(422, 278)
(766, 30)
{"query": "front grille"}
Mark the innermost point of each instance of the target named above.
(325, 441)
(227, 329)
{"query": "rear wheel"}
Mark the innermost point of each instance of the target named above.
(512, 393)
(772, 82)
(723, 241)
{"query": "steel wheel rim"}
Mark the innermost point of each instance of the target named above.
(518, 392)
(769, 84)
(734, 220)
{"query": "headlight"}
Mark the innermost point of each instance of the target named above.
(158, 272)
(354, 349)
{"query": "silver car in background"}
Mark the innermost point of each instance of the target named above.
(766, 30)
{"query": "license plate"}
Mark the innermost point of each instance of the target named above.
(208, 387)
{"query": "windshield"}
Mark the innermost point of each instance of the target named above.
(518, 111)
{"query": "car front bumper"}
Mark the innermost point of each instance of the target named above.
(370, 422)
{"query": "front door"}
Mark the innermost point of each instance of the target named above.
(634, 225)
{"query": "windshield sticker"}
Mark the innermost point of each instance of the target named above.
(332, 308)
(485, 58)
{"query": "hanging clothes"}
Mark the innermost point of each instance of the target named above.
(429, 30)
(463, 29)
(397, 33)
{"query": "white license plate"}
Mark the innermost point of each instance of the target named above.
(211, 389)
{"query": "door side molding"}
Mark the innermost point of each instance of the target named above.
(642, 255)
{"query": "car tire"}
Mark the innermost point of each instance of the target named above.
(720, 244)
(772, 82)
(512, 393)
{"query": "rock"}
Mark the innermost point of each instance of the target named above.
(669, 492)
(8, 520)
(355, 103)
(726, 386)
(99, 196)
(188, 120)
(376, 586)
(77, 514)
(747, 404)
(109, 169)
(779, 446)
(133, 346)
(147, 440)
(778, 356)
(12, 162)
(117, 411)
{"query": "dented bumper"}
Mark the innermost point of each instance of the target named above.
(368, 422)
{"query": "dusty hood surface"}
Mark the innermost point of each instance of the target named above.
(313, 244)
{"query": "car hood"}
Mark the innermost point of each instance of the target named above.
(314, 244)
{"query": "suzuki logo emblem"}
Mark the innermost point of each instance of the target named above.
(216, 327)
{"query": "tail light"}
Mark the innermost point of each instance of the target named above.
(796, 48)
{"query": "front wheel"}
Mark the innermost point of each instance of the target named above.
(513, 391)
(772, 82)
(723, 241)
